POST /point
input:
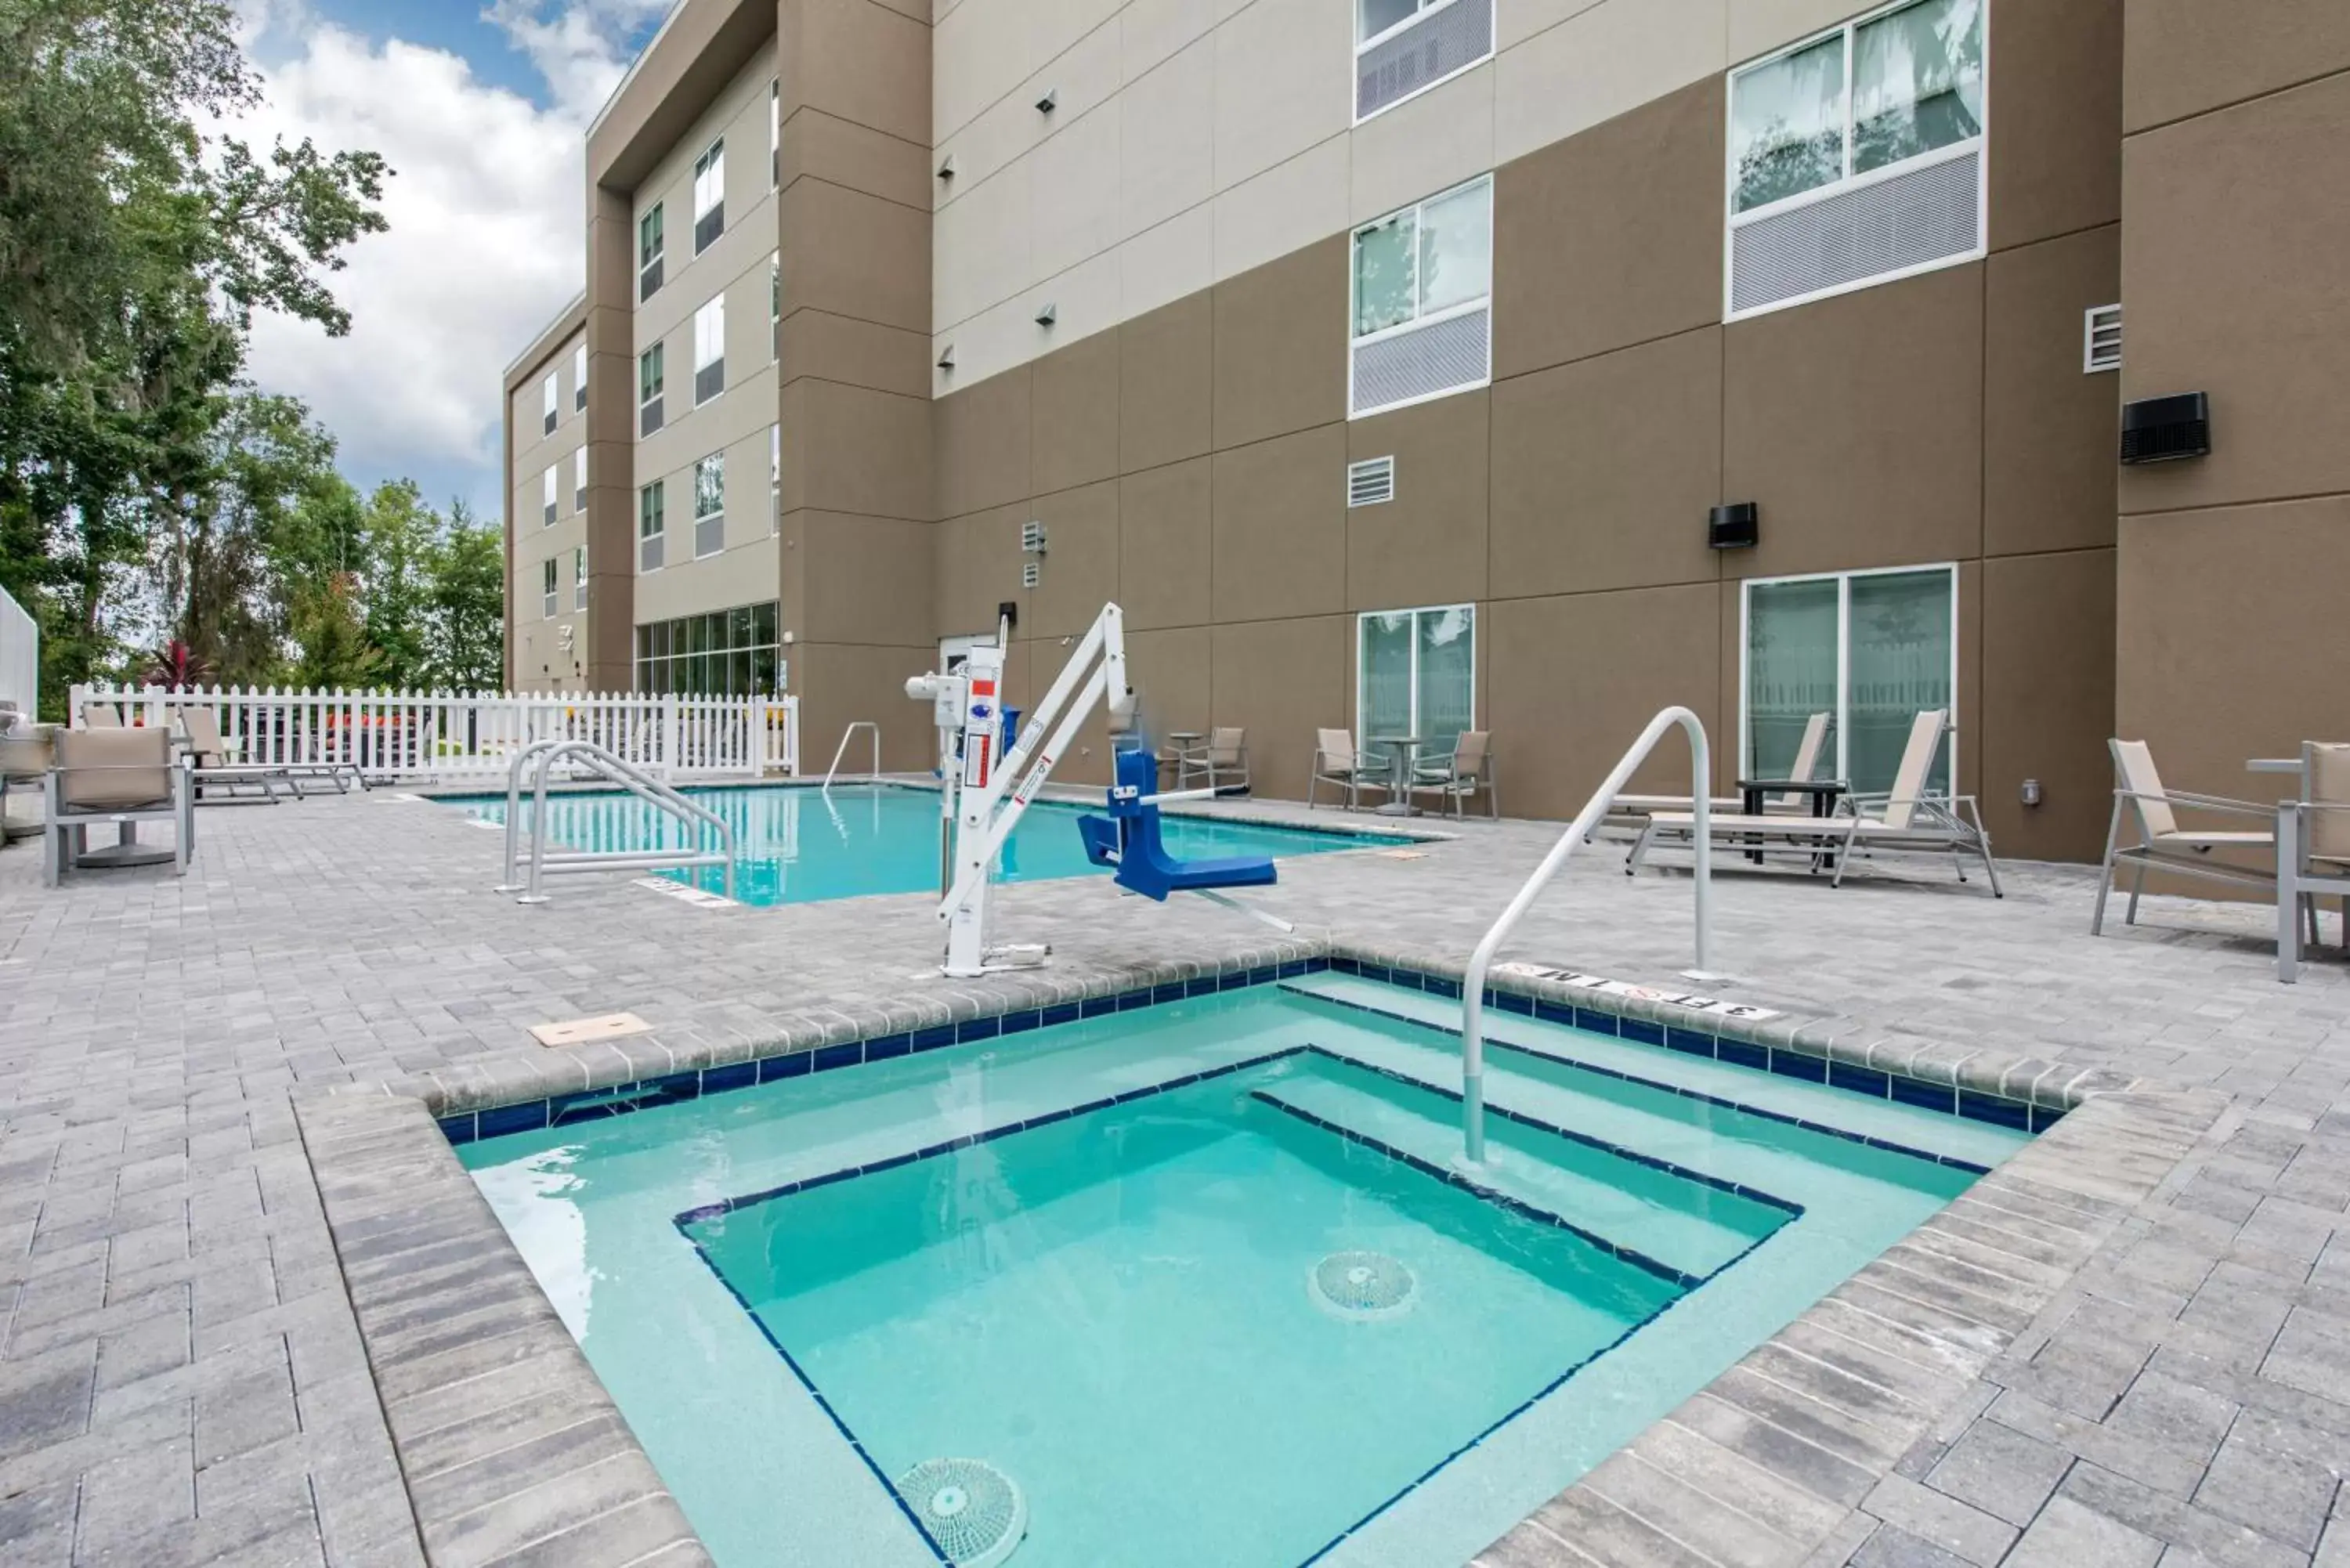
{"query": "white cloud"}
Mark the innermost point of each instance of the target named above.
(486, 240)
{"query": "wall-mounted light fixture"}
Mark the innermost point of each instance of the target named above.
(1050, 101)
(2164, 430)
(946, 358)
(1048, 315)
(946, 167)
(1737, 526)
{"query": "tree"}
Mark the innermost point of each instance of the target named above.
(402, 536)
(329, 631)
(468, 605)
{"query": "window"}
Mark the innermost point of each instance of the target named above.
(710, 350)
(775, 135)
(1403, 48)
(1879, 125)
(727, 653)
(775, 304)
(547, 588)
(1871, 649)
(580, 577)
(548, 401)
(710, 506)
(1421, 296)
(579, 481)
(1416, 676)
(651, 530)
(648, 253)
(775, 479)
(709, 196)
(649, 391)
(579, 379)
(547, 494)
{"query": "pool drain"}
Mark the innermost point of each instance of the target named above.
(1363, 1285)
(970, 1509)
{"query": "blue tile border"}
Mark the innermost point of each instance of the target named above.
(564, 1109)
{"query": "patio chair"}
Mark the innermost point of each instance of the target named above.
(101, 716)
(1626, 810)
(214, 763)
(122, 776)
(2315, 831)
(1457, 779)
(25, 755)
(1903, 820)
(2163, 846)
(1336, 762)
(1226, 753)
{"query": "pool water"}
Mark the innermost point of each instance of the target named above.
(1200, 1280)
(796, 844)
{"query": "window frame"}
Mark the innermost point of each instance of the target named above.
(776, 478)
(579, 482)
(579, 379)
(652, 498)
(657, 353)
(716, 302)
(1420, 319)
(550, 496)
(578, 578)
(1421, 11)
(718, 512)
(1362, 627)
(548, 583)
(1734, 220)
(712, 161)
(655, 216)
(1841, 720)
(775, 134)
(550, 401)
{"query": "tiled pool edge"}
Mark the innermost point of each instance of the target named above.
(393, 1186)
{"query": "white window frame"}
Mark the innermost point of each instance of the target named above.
(547, 587)
(775, 306)
(645, 262)
(659, 489)
(1839, 720)
(1420, 13)
(776, 478)
(1484, 302)
(1734, 220)
(709, 317)
(579, 482)
(550, 497)
(700, 516)
(1362, 627)
(579, 379)
(775, 134)
(657, 347)
(550, 399)
(580, 576)
(709, 190)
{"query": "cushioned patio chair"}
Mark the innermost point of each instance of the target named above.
(125, 777)
(1336, 762)
(2163, 844)
(1460, 777)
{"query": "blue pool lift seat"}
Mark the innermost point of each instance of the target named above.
(1127, 842)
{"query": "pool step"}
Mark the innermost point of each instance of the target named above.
(1627, 1204)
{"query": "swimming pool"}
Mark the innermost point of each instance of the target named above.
(795, 844)
(1196, 1280)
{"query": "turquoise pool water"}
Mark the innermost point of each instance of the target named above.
(795, 845)
(1200, 1279)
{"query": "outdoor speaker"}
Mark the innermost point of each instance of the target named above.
(1737, 526)
(2163, 429)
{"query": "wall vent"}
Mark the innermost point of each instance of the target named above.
(2101, 339)
(1370, 482)
(1438, 42)
(1444, 356)
(1909, 221)
(1032, 574)
(1032, 537)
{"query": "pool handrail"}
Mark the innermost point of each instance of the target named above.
(840, 749)
(1472, 983)
(691, 814)
(513, 810)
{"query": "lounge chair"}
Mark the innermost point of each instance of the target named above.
(1336, 762)
(2163, 846)
(125, 776)
(1457, 778)
(1629, 810)
(2315, 830)
(1903, 820)
(218, 763)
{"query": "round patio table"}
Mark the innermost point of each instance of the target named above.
(1399, 801)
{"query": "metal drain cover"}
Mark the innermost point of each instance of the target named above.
(1364, 1284)
(972, 1510)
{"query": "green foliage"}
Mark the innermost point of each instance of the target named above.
(329, 627)
(468, 605)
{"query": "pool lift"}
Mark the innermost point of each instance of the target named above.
(987, 789)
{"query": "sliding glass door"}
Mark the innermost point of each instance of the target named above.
(1416, 674)
(1868, 649)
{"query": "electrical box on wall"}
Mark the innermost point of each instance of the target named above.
(2164, 430)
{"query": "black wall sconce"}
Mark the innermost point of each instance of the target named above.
(1737, 526)
(2164, 430)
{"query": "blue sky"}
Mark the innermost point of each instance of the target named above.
(481, 107)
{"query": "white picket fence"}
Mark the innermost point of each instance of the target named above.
(423, 736)
(20, 655)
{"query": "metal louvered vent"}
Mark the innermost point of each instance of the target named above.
(1909, 221)
(1442, 357)
(1032, 575)
(1436, 44)
(649, 552)
(1370, 482)
(709, 536)
(2101, 339)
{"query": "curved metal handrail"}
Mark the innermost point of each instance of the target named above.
(1473, 983)
(620, 772)
(513, 810)
(841, 750)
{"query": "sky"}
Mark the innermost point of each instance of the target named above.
(481, 107)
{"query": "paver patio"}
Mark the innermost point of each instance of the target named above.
(183, 1378)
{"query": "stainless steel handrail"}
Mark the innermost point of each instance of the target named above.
(689, 813)
(1473, 983)
(513, 810)
(841, 750)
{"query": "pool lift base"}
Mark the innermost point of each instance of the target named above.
(988, 788)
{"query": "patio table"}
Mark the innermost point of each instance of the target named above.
(1399, 801)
